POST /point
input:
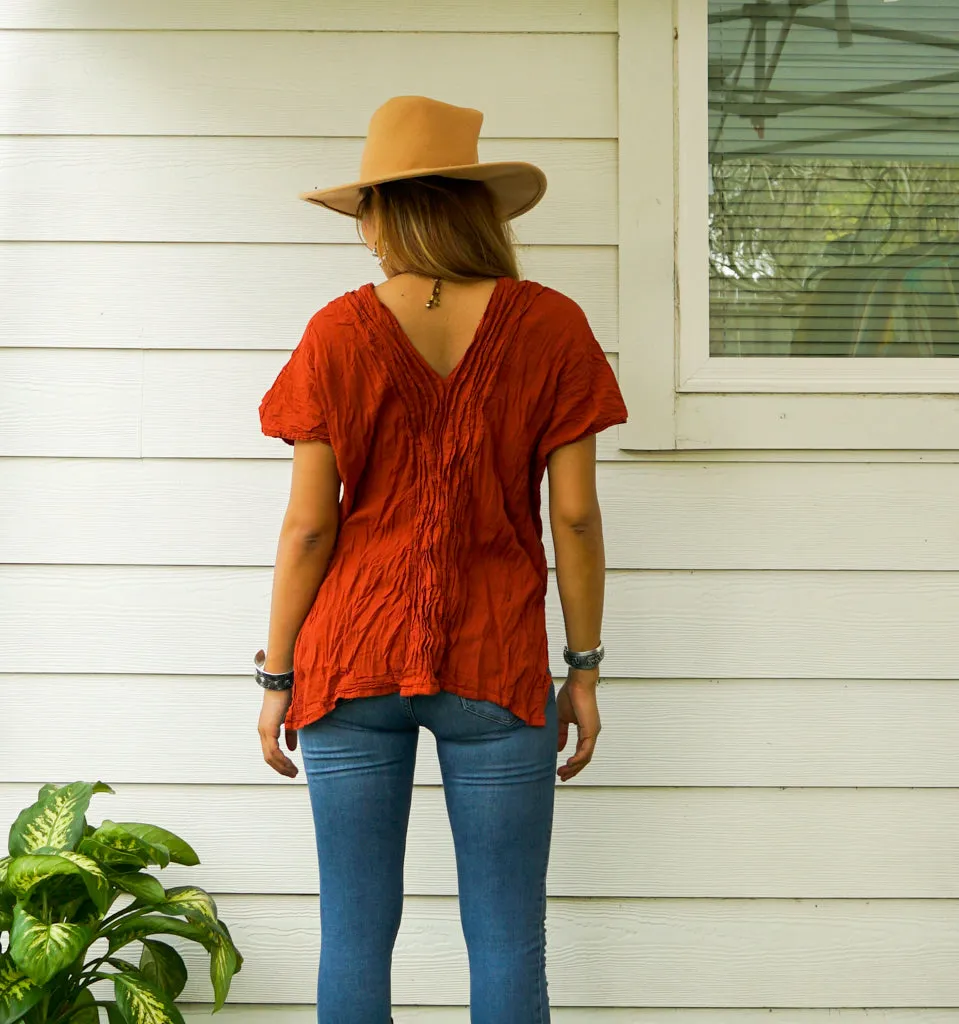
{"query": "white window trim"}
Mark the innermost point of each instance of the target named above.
(678, 396)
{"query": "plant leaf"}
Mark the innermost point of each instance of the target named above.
(31, 870)
(163, 966)
(146, 888)
(113, 1014)
(56, 820)
(42, 950)
(191, 901)
(124, 966)
(50, 787)
(4, 866)
(109, 856)
(140, 1002)
(46, 789)
(226, 931)
(90, 1015)
(18, 991)
(157, 924)
(114, 835)
(223, 965)
(93, 877)
(180, 850)
(27, 872)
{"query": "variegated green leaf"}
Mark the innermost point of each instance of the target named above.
(162, 965)
(140, 1002)
(42, 950)
(180, 850)
(190, 901)
(134, 929)
(18, 991)
(32, 870)
(222, 925)
(56, 820)
(123, 965)
(111, 834)
(109, 856)
(6, 897)
(93, 877)
(223, 965)
(146, 888)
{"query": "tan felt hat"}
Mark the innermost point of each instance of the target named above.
(410, 136)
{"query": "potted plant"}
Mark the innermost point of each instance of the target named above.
(58, 886)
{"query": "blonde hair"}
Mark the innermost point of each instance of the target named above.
(440, 227)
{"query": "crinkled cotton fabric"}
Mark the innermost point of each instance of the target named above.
(438, 577)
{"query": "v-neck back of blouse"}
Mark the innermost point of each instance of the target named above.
(407, 350)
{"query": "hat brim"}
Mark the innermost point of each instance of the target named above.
(517, 186)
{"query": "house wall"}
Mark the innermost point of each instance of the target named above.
(766, 826)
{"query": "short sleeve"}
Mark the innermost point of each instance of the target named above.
(587, 397)
(294, 408)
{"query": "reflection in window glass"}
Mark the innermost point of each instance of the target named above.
(834, 178)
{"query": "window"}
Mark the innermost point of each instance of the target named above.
(800, 159)
(834, 179)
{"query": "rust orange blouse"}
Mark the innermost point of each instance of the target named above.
(437, 580)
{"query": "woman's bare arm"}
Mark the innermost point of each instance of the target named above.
(307, 538)
(577, 529)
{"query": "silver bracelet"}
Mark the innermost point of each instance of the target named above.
(270, 680)
(584, 659)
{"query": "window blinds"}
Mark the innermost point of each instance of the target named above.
(834, 178)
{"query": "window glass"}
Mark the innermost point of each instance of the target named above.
(834, 178)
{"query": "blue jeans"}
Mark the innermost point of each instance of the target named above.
(499, 777)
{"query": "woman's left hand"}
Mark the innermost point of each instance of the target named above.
(276, 703)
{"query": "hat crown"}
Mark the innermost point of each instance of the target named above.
(407, 133)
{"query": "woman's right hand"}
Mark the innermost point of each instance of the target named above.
(576, 705)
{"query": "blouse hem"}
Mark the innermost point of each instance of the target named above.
(300, 717)
(289, 436)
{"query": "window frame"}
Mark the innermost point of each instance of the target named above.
(680, 397)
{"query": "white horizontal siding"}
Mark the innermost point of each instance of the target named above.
(656, 732)
(639, 842)
(226, 296)
(264, 15)
(655, 515)
(294, 83)
(894, 422)
(681, 624)
(88, 404)
(649, 952)
(178, 189)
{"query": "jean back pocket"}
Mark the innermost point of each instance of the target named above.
(491, 711)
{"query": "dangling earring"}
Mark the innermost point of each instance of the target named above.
(379, 256)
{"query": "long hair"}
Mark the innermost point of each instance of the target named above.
(440, 227)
